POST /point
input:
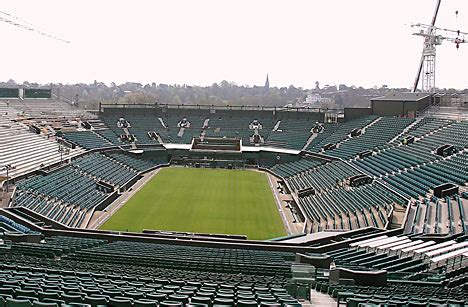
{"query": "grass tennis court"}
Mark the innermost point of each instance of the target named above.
(203, 200)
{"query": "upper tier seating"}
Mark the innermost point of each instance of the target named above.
(44, 108)
(104, 168)
(374, 136)
(336, 133)
(23, 150)
(414, 169)
(290, 133)
(135, 163)
(424, 126)
(322, 177)
(110, 136)
(87, 139)
(291, 168)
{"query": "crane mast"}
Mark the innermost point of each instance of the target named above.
(426, 66)
(433, 36)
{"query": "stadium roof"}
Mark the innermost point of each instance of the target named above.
(403, 97)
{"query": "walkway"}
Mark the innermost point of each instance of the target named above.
(321, 299)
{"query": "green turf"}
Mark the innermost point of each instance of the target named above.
(203, 200)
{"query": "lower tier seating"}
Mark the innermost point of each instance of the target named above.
(354, 208)
(62, 270)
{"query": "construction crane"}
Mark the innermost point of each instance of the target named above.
(23, 24)
(433, 36)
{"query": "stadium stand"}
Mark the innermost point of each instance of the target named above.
(104, 168)
(135, 163)
(358, 268)
(359, 207)
(87, 139)
(292, 168)
(377, 134)
(335, 133)
(65, 195)
(384, 241)
(419, 272)
(424, 126)
(96, 271)
(69, 194)
(109, 136)
(45, 108)
(26, 151)
(320, 177)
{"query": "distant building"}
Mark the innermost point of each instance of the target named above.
(317, 99)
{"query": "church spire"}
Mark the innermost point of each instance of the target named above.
(267, 83)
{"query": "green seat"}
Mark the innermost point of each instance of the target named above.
(135, 295)
(7, 290)
(343, 296)
(246, 297)
(112, 293)
(22, 292)
(115, 302)
(95, 300)
(29, 298)
(44, 304)
(43, 295)
(156, 296)
(165, 291)
(455, 303)
(246, 303)
(170, 304)
(225, 295)
(354, 301)
(224, 301)
(10, 302)
(145, 303)
(397, 303)
(211, 295)
(201, 300)
(266, 298)
(179, 298)
(72, 298)
(53, 301)
(78, 305)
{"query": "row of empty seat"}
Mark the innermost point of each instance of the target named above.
(69, 194)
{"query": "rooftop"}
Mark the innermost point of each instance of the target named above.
(403, 96)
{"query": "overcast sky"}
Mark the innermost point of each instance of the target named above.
(360, 42)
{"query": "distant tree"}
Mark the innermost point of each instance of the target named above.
(339, 99)
(176, 100)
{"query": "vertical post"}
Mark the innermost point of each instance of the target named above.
(7, 169)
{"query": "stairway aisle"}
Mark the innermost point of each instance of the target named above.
(321, 299)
